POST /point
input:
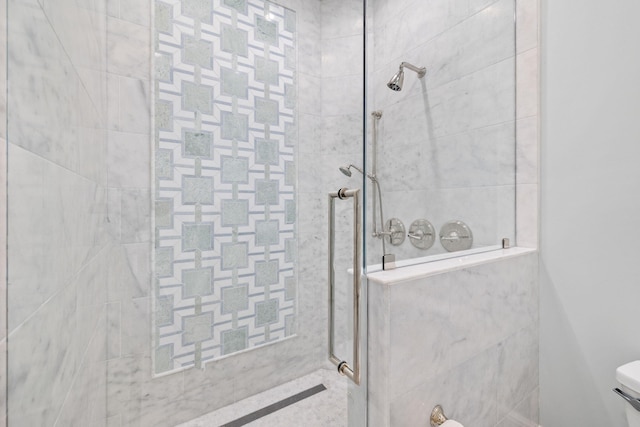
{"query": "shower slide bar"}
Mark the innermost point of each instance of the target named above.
(351, 371)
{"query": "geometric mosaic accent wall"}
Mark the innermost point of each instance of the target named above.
(225, 179)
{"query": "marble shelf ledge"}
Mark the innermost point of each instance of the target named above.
(415, 271)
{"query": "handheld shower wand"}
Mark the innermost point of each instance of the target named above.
(380, 234)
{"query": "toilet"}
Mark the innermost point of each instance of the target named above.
(629, 378)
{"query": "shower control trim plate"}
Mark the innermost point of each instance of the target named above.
(394, 229)
(422, 235)
(456, 236)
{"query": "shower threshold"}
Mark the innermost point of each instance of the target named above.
(319, 398)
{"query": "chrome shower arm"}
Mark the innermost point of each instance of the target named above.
(420, 70)
(368, 175)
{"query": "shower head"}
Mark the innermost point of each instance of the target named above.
(346, 170)
(397, 80)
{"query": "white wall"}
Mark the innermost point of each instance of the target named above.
(590, 288)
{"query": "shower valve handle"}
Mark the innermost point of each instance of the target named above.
(418, 235)
(454, 238)
(394, 228)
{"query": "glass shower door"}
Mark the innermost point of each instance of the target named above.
(168, 169)
(245, 112)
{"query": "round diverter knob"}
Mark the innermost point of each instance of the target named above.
(456, 236)
(422, 234)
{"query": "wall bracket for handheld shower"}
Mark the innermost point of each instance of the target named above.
(398, 78)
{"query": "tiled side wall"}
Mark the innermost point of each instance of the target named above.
(3, 216)
(339, 124)
(129, 182)
(57, 239)
(135, 397)
(446, 142)
(527, 124)
(463, 340)
(467, 340)
(341, 143)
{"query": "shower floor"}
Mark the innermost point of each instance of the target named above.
(325, 408)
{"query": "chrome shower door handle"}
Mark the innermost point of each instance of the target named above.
(352, 371)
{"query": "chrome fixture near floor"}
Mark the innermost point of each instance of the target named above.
(397, 80)
(439, 419)
(437, 416)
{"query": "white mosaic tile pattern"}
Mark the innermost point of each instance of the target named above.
(225, 205)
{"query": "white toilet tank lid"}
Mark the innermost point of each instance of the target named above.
(629, 375)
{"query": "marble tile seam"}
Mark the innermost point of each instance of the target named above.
(65, 168)
(80, 366)
(70, 281)
(68, 56)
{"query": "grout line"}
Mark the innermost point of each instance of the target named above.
(81, 365)
(68, 282)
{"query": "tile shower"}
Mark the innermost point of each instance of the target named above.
(225, 118)
(87, 146)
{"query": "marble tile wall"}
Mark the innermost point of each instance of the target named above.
(467, 350)
(135, 396)
(225, 169)
(57, 213)
(341, 140)
(68, 149)
(466, 339)
(3, 215)
(527, 123)
(446, 142)
(327, 132)
(128, 312)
